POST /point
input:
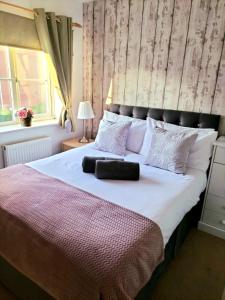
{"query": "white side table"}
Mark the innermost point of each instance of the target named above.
(213, 213)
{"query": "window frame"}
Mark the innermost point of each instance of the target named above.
(15, 89)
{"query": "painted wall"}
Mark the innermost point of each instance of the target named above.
(73, 9)
(56, 133)
(156, 53)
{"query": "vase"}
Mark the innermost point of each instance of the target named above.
(26, 122)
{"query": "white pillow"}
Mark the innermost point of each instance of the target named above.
(169, 150)
(136, 131)
(150, 125)
(200, 152)
(112, 137)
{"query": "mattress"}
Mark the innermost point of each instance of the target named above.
(160, 195)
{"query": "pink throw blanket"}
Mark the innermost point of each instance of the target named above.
(72, 244)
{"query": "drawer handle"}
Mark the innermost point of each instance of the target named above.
(223, 222)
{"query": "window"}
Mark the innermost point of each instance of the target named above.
(24, 81)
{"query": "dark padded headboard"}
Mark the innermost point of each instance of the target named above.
(182, 118)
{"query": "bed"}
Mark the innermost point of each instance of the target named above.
(174, 212)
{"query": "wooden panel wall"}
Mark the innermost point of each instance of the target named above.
(88, 56)
(161, 50)
(193, 54)
(109, 45)
(176, 54)
(119, 75)
(133, 51)
(147, 51)
(155, 53)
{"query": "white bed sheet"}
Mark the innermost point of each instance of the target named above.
(159, 195)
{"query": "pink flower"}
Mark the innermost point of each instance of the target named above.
(22, 113)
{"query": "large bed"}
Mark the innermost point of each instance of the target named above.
(172, 201)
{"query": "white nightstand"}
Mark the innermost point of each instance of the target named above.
(213, 213)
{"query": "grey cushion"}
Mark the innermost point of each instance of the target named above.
(118, 170)
(89, 162)
(170, 150)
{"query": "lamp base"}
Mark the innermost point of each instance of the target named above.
(84, 140)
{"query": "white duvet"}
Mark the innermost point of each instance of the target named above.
(159, 195)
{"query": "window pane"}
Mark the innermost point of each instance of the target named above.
(6, 107)
(30, 64)
(24, 81)
(34, 95)
(4, 62)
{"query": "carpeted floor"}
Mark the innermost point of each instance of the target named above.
(197, 273)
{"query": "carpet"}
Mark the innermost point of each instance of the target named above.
(197, 272)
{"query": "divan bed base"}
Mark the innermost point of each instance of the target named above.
(25, 289)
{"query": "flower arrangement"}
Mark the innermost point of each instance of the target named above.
(25, 116)
(24, 113)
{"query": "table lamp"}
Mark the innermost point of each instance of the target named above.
(85, 112)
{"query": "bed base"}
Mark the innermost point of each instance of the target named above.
(25, 289)
(189, 221)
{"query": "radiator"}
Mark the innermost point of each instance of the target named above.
(27, 151)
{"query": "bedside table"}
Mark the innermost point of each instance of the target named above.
(73, 143)
(213, 213)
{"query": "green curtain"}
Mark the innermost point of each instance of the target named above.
(56, 39)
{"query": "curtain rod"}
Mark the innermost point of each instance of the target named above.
(31, 11)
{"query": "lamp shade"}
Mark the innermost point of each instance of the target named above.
(85, 111)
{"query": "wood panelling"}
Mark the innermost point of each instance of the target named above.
(98, 41)
(88, 56)
(161, 50)
(147, 51)
(87, 50)
(119, 78)
(211, 56)
(219, 98)
(156, 53)
(193, 54)
(133, 51)
(109, 45)
(176, 53)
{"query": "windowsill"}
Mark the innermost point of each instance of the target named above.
(36, 124)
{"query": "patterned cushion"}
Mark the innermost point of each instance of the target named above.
(112, 137)
(170, 150)
(136, 132)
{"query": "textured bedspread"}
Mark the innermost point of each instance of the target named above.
(72, 244)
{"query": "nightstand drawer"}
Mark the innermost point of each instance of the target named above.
(217, 180)
(66, 147)
(220, 155)
(215, 203)
(214, 219)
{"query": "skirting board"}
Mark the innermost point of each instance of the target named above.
(211, 230)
